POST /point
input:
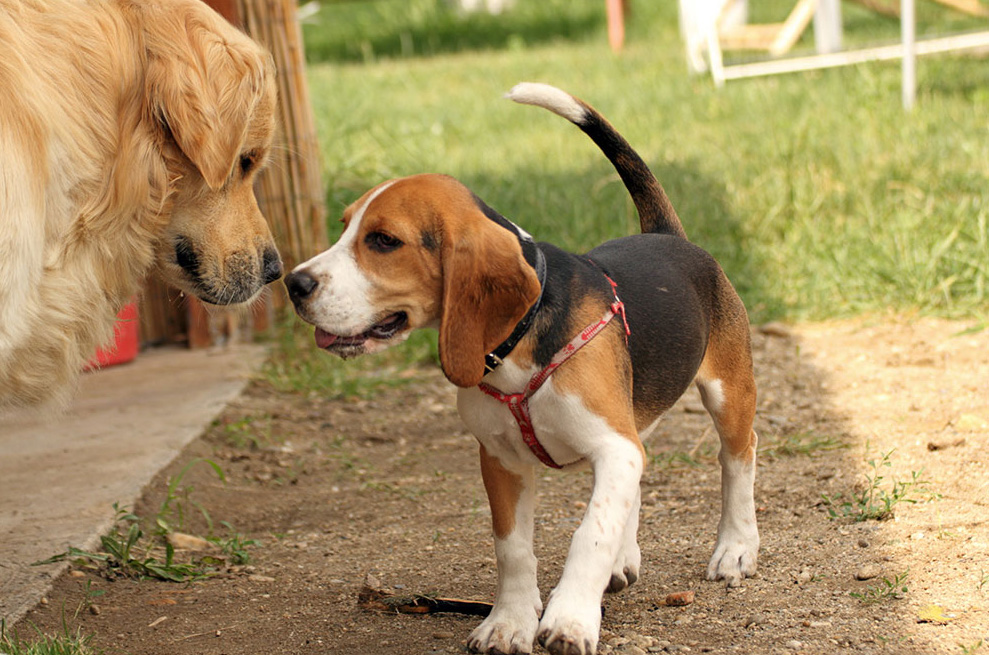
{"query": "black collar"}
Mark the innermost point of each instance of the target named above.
(494, 359)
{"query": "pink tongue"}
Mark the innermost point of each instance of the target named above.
(324, 338)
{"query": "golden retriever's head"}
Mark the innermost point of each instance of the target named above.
(211, 91)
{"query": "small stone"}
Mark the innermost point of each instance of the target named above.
(944, 444)
(634, 650)
(804, 576)
(182, 541)
(76, 574)
(257, 577)
(793, 644)
(442, 635)
(868, 572)
(94, 610)
(679, 599)
(754, 620)
(863, 543)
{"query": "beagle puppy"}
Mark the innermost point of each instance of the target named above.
(561, 360)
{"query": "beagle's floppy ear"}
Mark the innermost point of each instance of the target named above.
(204, 81)
(487, 289)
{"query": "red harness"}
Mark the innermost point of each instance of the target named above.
(518, 403)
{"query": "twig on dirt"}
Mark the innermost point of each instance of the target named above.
(697, 446)
(373, 597)
(211, 633)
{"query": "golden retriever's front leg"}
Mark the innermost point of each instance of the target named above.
(511, 626)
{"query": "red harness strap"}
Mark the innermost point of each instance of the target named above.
(518, 403)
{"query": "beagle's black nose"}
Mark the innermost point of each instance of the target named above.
(300, 285)
(272, 266)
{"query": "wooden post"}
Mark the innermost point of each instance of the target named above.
(908, 27)
(827, 26)
(616, 24)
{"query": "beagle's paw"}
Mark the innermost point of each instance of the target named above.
(626, 569)
(505, 633)
(735, 558)
(570, 630)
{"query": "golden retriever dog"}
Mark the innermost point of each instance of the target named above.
(131, 132)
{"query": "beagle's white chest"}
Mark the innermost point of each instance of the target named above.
(562, 424)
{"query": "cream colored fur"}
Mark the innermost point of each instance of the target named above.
(126, 127)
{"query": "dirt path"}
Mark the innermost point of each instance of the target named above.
(390, 485)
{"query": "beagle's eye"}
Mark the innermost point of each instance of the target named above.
(381, 242)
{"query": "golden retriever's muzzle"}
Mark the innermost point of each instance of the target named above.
(237, 279)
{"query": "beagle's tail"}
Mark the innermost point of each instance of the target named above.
(656, 213)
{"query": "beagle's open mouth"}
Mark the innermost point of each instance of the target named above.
(382, 331)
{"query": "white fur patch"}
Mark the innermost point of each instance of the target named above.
(548, 97)
(342, 305)
(713, 395)
(737, 549)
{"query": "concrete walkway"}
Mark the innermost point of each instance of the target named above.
(59, 477)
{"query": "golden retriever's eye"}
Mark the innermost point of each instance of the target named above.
(248, 161)
(381, 242)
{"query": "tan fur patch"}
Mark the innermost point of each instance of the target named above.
(504, 490)
(601, 373)
(729, 360)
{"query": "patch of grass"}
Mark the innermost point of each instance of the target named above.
(386, 29)
(875, 501)
(63, 644)
(296, 365)
(677, 459)
(235, 545)
(123, 553)
(171, 514)
(800, 443)
(970, 649)
(251, 432)
(129, 552)
(887, 589)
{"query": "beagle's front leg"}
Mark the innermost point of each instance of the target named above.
(572, 620)
(511, 626)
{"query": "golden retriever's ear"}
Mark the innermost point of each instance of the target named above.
(204, 81)
(487, 289)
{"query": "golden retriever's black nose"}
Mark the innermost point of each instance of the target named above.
(300, 286)
(272, 266)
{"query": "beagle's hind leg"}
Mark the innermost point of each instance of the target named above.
(728, 391)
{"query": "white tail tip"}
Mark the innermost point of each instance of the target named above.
(548, 97)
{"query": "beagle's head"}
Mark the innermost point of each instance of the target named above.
(417, 252)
